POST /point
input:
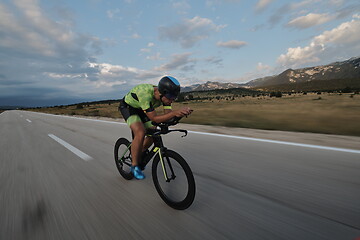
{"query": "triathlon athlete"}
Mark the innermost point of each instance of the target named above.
(138, 110)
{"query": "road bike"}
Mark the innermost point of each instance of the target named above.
(172, 176)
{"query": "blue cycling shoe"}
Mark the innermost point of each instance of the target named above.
(138, 174)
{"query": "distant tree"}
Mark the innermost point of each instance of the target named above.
(180, 98)
(276, 94)
(346, 90)
(79, 106)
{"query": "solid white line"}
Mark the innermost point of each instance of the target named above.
(280, 142)
(237, 137)
(86, 119)
(73, 149)
(28, 120)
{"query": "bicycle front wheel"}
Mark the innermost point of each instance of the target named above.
(173, 180)
(122, 154)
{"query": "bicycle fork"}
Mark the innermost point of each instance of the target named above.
(162, 162)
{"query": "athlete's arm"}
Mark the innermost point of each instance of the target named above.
(167, 116)
(167, 109)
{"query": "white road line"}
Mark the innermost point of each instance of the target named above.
(28, 120)
(73, 149)
(238, 137)
(86, 119)
(280, 142)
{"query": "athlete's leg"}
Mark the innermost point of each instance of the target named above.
(148, 140)
(138, 142)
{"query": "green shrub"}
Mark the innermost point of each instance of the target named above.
(276, 94)
(346, 90)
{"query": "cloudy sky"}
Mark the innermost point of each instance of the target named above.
(55, 52)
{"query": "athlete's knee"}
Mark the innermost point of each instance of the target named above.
(138, 130)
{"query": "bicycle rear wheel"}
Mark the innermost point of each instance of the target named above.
(122, 154)
(179, 191)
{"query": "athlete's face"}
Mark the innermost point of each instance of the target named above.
(166, 100)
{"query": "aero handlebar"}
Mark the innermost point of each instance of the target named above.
(164, 127)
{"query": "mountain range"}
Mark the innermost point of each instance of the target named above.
(211, 86)
(333, 76)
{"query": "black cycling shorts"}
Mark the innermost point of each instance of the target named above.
(132, 115)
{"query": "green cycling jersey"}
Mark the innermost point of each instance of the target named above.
(142, 97)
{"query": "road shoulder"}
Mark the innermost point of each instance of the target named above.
(328, 140)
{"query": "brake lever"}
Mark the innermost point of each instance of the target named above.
(183, 131)
(185, 134)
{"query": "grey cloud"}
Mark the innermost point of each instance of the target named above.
(347, 11)
(349, 8)
(189, 32)
(286, 9)
(257, 27)
(178, 60)
(234, 44)
(323, 47)
(261, 5)
(188, 68)
(310, 20)
(279, 14)
(214, 60)
(34, 47)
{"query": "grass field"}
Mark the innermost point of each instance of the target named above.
(329, 113)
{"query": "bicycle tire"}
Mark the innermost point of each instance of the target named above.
(179, 161)
(123, 165)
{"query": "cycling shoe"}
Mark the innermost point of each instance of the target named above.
(138, 174)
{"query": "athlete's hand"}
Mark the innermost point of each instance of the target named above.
(183, 112)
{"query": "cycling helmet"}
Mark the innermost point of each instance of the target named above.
(169, 87)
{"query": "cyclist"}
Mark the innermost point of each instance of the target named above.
(138, 109)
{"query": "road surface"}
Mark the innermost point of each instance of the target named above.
(58, 180)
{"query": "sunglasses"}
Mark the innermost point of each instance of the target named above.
(170, 97)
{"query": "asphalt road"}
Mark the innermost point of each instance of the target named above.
(245, 189)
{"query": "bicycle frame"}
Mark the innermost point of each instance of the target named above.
(158, 148)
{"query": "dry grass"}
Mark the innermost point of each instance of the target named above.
(101, 110)
(333, 113)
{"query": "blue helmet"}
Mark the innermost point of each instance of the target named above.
(169, 87)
